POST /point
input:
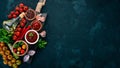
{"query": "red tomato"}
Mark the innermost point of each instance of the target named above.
(16, 12)
(23, 20)
(22, 24)
(9, 16)
(15, 50)
(22, 51)
(12, 12)
(18, 26)
(19, 29)
(14, 37)
(17, 8)
(21, 10)
(14, 16)
(25, 8)
(21, 5)
(17, 33)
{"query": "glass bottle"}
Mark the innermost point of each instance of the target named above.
(10, 25)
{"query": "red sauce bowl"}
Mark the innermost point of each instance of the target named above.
(30, 14)
(36, 25)
(31, 37)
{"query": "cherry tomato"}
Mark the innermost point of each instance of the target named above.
(19, 29)
(18, 26)
(23, 46)
(21, 5)
(15, 50)
(19, 49)
(17, 33)
(22, 24)
(9, 16)
(21, 10)
(23, 20)
(22, 51)
(25, 8)
(12, 12)
(16, 12)
(14, 15)
(17, 8)
(14, 37)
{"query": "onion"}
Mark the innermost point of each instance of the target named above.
(31, 52)
(26, 58)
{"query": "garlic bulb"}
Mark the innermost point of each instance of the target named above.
(43, 34)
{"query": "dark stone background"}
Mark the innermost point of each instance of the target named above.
(80, 33)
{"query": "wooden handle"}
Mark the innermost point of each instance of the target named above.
(39, 7)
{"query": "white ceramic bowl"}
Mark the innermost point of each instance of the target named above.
(32, 42)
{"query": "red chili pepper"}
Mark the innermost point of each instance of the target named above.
(24, 31)
(19, 38)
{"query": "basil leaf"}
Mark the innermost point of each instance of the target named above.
(31, 34)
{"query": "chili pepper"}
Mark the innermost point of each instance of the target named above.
(22, 31)
(25, 31)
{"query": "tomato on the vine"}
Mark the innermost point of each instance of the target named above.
(19, 29)
(17, 33)
(22, 24)
(12, 12)
(21, 10)
(21, 5)
(25, 8)
(9, 16)
(14, 37)
(14, 15)
(17, 8)
(16, 12)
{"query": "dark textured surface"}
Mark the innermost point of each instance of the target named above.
(80, 33)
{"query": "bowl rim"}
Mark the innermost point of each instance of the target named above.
(31, 42)
(26, 47)
(39, 23)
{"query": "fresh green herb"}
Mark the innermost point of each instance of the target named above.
(10, 46)
(18, 44)
(5, 36)
(41, 43)
(31, 34)
(21, 43)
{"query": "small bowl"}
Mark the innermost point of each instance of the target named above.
(28, 16)
(37, 38)
(39, 24)
(26, 50)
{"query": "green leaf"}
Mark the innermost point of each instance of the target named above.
(16, 46)
(5, 36)
(31, 34)
(41, 43)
